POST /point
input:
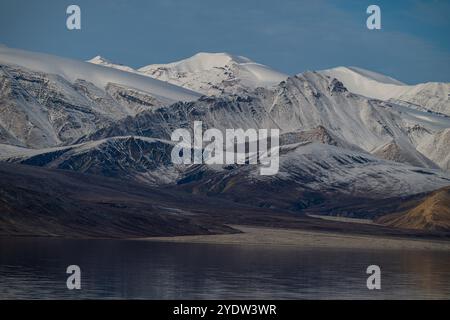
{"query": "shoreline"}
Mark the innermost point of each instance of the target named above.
(295, 238)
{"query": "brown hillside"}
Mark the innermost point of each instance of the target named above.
(432, 213)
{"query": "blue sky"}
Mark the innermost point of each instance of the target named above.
(289, 35)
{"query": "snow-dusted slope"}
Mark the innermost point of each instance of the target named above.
(315, 168)
(99, 60)
(311, 99)
(356, 172)
(139, 158)
(437, 148)
(43, 110)
(305, 102)
(303, 166)
(215, 73)
(403, 153)
(47, 101)
(100, 76)
(430, 96)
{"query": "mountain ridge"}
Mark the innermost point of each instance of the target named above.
(431, 96)
(100, 76)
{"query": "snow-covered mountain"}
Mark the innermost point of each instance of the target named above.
(433, 96)
(47, 100)
(215, 73)
(218, 73)
(72, 70)
(337, 138)
(300, 103)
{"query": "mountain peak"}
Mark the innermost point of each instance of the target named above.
(217, 59)
(99, 60)
(202, 61)
(215, 73)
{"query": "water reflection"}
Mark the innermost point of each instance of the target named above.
(35, 268)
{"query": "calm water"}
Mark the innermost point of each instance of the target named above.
(35, 268)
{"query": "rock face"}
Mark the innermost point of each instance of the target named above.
(432, 213)
(138, 158)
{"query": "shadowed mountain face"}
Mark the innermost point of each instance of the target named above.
(47, 202)
(44, 202)
(431, 213)
(137, 158)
